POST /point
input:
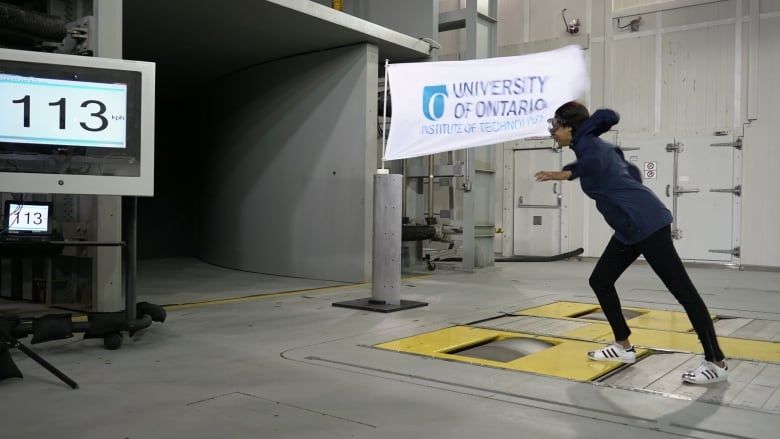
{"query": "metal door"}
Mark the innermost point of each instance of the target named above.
(707, 193)
(537, 205)
(696, 181)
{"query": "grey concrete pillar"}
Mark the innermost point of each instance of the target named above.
(386, 253)
(386, 270)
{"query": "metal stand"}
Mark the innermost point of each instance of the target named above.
(105, 325)
(130, 214)
(386, 269)
(9, 370)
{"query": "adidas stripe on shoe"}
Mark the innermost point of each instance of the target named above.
(706, 373)
(614, 352)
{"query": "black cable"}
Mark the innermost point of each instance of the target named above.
(529, 258)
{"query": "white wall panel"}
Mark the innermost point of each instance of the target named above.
(744, 45)
(699, 86)
(697, 75)
(597, 18)
(633, 90)
(769, 6)
(596, 54)
(761, 202)
(623, 7)
(511, 21)
(705, 13)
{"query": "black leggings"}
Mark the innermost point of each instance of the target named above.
(659, 252)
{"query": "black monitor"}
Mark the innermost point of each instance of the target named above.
(27, 218)
(63, 112)
(74, 124)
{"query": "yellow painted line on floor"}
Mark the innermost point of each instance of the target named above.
(566, 359)
(254, 297)
(260, 296)
(738, 348)
(650, 319)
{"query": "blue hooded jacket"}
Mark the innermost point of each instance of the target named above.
(629, 207)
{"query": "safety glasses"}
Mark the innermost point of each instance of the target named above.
(554, 123)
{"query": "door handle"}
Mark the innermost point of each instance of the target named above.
(679, 190)
(736, 190)
(555, 188)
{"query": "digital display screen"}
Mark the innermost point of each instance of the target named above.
(27, 217)
(61, 119)
(46, 111)
(75, 125)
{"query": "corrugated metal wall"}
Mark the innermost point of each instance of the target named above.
(761, 202)
(697, 70)
(685, 71)
(634, 59)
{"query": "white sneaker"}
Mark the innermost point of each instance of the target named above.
(614, 352)
(706, 373)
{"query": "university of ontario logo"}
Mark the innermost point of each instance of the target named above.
(433, 101)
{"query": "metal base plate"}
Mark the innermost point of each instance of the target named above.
(371, 305)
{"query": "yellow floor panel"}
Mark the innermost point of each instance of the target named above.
(650, 318)
(559, 309)
(566, 359)
(661, 320)
(755, 350)
(594, 331)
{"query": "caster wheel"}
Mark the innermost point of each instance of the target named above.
(431, 266)
(112, 341)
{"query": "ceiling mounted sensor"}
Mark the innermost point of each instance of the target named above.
(573, 26)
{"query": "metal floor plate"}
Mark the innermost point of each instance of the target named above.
(751, 385)
(533, 325)
(668, 349)
(565, 359)
(645, 318)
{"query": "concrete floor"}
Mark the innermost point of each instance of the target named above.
(293, 366)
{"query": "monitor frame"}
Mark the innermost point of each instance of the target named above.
(143, 184)
(7, 218)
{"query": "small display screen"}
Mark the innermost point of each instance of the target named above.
(60, 112)
(30, 218)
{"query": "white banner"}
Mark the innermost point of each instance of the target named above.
(444, 106)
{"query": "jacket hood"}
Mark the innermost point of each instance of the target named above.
(597, 124)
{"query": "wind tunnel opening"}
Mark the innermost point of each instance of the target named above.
(503, 350)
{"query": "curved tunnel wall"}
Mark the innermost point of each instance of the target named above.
(289, 155)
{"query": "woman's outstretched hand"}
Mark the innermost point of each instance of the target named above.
(552, 175)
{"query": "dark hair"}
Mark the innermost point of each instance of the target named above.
(572, 114)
